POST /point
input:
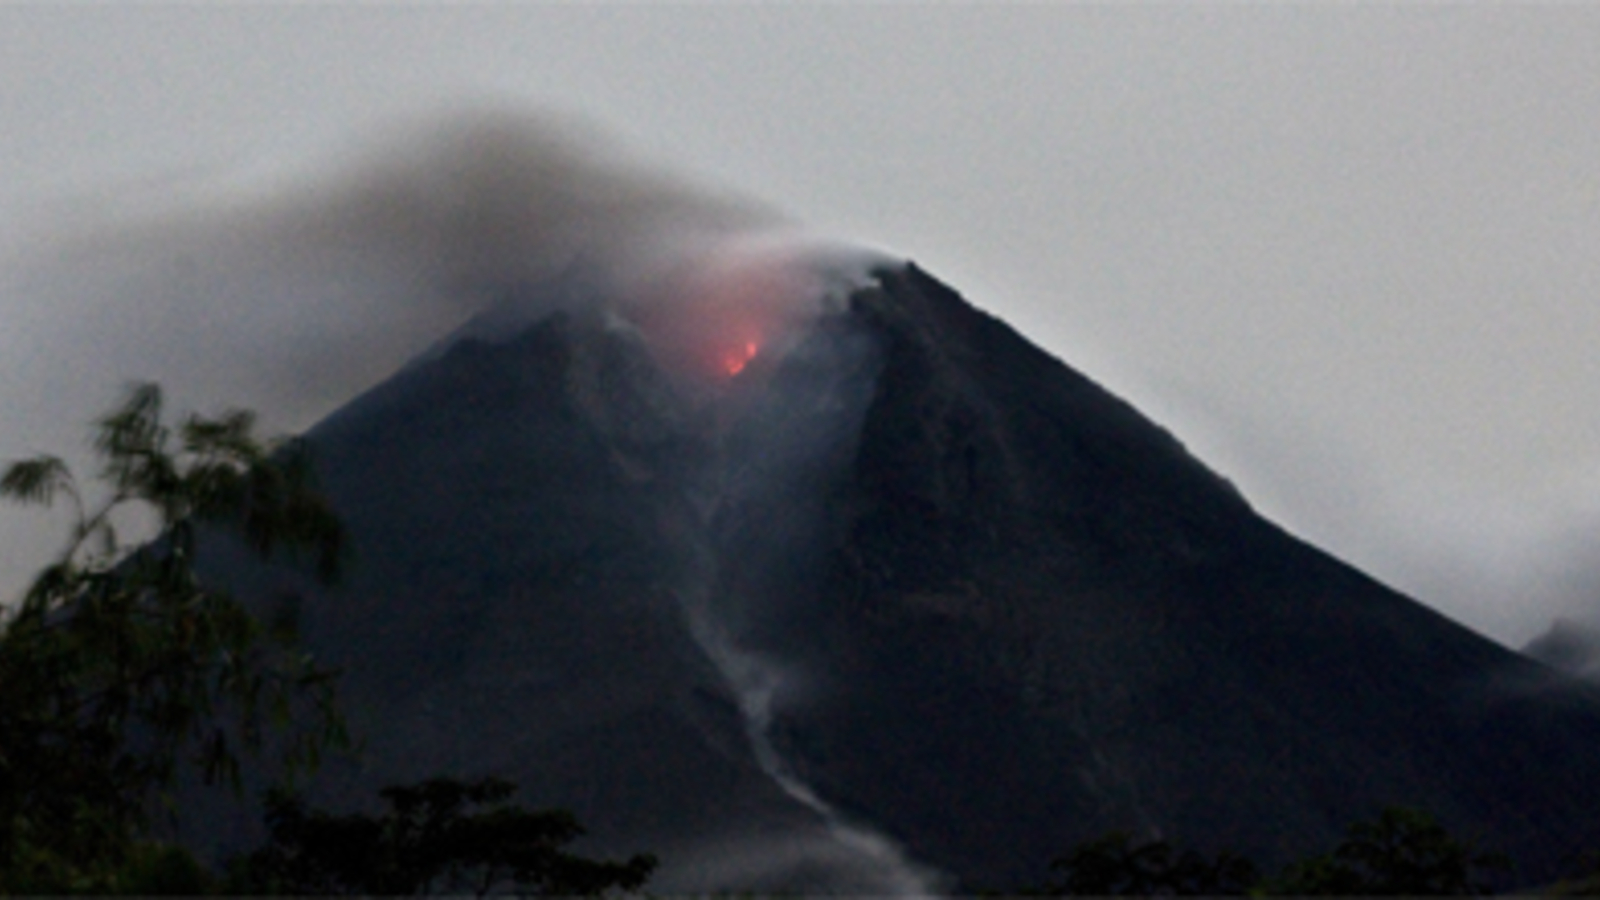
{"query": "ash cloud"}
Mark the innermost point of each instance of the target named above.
(290, 287)
(290, 292)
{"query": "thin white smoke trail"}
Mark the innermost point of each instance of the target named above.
(807, 413)
(755, 681)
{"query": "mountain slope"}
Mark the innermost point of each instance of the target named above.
(904, 604)
(1065, 609)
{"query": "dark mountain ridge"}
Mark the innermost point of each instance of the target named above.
(911, 605)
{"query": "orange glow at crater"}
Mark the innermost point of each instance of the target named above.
(713, 312)
(734, 361)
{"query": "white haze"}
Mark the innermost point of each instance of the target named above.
(1505, 563)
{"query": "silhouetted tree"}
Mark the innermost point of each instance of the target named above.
(1401, 852)
(1116, 865)
(430, 842)
(1583, 877)
(119, 662)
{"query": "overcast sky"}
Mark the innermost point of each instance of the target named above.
(1349, 253)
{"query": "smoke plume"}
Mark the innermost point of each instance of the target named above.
(289, 292)
(289, 288)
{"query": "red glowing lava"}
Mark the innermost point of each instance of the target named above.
(710, 314)
(734, 361)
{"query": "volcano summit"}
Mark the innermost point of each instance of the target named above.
(873, 595)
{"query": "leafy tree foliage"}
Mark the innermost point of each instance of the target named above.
(1115, 865)
(119, 663)
(427, 843)
(1402, 852)
(1583, 878)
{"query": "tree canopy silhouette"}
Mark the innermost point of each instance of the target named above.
(438, 836)
(1116, 865)
(1401, 852)
(119, 663)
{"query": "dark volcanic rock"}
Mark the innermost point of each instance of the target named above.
(1059, 623)
(521, 513)
(915, 566)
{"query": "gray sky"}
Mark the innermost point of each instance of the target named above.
(1347, 252)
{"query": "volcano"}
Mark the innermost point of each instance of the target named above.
(898, 603)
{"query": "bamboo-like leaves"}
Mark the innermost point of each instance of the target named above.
(36, 480)
(120, 658)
